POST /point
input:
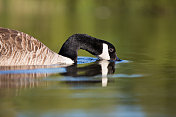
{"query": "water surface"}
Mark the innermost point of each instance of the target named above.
(143, 33)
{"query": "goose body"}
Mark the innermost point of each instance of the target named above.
(18, 48)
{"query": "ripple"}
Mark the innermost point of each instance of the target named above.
(72, 79)
(123, 61)
(83, 59)
(42, 70)
(126, 76)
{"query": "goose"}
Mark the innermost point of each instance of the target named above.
(18, 48)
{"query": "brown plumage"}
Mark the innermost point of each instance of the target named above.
(18, 48)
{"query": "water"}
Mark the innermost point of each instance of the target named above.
(49, 85)
(142, 85)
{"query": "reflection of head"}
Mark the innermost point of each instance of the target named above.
(97, 68)
(111, 68)
(86, 75)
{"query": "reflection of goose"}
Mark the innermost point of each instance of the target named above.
(18, 48)
(24, 79)
(86, 73)
(31, 76)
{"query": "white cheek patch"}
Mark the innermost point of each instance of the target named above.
(105, 54)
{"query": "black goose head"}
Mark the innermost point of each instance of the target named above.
(100, 48)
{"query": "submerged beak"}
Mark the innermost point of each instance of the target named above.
(117, 58)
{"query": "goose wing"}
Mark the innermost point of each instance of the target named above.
(18, 48)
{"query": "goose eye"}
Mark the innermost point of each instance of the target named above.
(111, 49)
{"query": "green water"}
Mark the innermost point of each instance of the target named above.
(143, 32)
